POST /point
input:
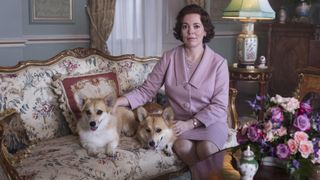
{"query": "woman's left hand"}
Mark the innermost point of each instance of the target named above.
(180, 127)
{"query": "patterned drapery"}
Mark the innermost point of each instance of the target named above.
(101, 15)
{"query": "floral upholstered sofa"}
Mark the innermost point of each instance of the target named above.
(38, 113)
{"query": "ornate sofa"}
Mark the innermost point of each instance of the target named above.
(38, 113)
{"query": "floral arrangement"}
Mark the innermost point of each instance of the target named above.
(290, 133)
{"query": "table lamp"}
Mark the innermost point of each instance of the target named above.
(248, 12)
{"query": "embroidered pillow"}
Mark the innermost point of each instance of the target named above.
(71, 89)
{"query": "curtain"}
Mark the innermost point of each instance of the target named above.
(198, 2)
(137, 28)
(101, 14)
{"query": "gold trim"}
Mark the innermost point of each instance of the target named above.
(232, 105)
(297, 92)
(5, 163)
(77, 53)
(6, 113)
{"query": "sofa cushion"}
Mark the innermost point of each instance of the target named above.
(64, 158)
(71, 88)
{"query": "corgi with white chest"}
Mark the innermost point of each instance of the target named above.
(155, 129)
(99, 129)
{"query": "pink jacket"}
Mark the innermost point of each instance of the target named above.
(203, 96)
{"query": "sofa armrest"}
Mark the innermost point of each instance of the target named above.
(12, 138)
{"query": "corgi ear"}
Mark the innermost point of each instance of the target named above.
(141, 113)
(168, 114)
(83, 104)
(80, 101)
(110, 100)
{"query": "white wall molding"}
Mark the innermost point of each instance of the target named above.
(12, 42)
(44, 39)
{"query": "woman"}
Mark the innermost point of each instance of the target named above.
(196, 81)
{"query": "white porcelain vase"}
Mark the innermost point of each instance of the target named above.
(248, 165)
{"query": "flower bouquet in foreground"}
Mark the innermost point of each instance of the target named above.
(290, 132)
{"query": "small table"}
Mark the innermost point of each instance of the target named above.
(262, 76)
(218, 166)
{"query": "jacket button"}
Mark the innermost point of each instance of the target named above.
(186, 87)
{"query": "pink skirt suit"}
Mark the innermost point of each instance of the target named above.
(203, 94)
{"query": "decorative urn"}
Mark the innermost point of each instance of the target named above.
(248, 165)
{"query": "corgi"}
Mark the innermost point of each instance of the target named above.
(155, 129)
(99, 129)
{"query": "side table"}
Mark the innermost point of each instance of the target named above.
(261, 76)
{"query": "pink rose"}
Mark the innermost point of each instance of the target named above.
(268, 136)
(268, 126)
(281, 131)
(300, 136)
(293, 146)
(305, 148)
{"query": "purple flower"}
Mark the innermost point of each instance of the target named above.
(276, 114)
(305, 108)
(253, 133)
(254, 105)
(295, 164)
(316, 120)
(316, 146)
(282, 151)
(302, 122)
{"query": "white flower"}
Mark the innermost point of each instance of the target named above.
(289, 104)
(277, 99)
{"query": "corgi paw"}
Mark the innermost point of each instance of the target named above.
(93, 153)
(110, 152)
(168, 151)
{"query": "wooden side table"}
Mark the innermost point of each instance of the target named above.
(261, 76)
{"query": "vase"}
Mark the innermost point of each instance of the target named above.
(303, 9)
(248, 165)
(282, 15)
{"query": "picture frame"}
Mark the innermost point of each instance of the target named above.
(51, 11)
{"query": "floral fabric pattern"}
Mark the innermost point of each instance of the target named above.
(64, 158)
(31, 93)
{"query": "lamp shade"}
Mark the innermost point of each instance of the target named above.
(249, 9)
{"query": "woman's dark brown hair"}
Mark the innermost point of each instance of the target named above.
(205, 20)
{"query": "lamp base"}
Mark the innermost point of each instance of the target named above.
(247, 45)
